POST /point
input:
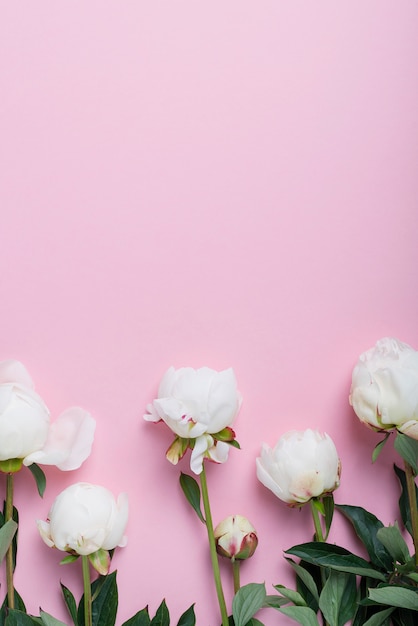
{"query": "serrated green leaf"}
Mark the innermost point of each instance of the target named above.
(188, 618)
(379, 447)
(39, 477)
(247, 601)
(162, 616)
(291, 594)
(408, 450)
(366, 526)
(141, 618)
(379, 619)
(7, 532)
(338, 599)
(335, 557)
(70, 603)
(395, 596)
(191, 490)
(301, 614)
(404, 500)
(394, 543)
(49, 620)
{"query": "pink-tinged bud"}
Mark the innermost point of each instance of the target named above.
(236, 538)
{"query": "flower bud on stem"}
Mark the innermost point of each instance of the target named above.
(88, 618)
(212, 547)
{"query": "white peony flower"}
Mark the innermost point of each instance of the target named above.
(302, 465)
(384, 389)
(197, 405)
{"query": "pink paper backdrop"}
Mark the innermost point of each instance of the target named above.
(222, 184)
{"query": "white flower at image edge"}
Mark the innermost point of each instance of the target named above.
(85, 518)
(25, 429)
(196, 404)
(384, 389)
(302, 465)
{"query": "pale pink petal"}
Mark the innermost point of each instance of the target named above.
(69, 442)
(201, 446)
(12, 371)
(44, 531)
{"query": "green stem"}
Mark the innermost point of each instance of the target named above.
(9, 554)
(319, 536)
(236, 574)
(87, 591)
(410, 486)
(212, 547)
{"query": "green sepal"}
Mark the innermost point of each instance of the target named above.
(188, 618)
(366, 526)
(234, 444)
(7, 532)
(39, 477)
(11, 466)
(100, 561)
(70, 558)
(191, 490)
(335, 557)
(226, 434)
(408, 450)
(141, 618)
(177, 450)
(319, 506)
(379, 447)
(247, 601)
(394, 543)
(162, 616)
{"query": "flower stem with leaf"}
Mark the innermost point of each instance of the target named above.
(410, 485)
(88, 619)
(212, 548)
(9, 555)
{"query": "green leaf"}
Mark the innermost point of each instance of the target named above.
(49, 620)
(308, 580)
(338, 599)
(335, 557)
(39, 477)
(395, 596)
(141, 618)
(70, 603)
(395, 544)
(274, 602)
(254, 622)
(379, 447)
(404, 500)
(162, 616)
(408, 450)
(328, 503)
(191, 490)
(247, 601)
(104, 593)
(18, 618)
(235, 444)
(7, 532)
(366, 526)
(291, 595)
(188, 618)
(379, 619)
(70, 558)
(301, 614)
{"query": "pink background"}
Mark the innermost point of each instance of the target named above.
(221, 184)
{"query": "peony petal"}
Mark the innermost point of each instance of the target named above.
(12, 371)
(69, 442)
(201, 445)
(44, 531)
(218, 453)
(410, 429)
(116, 536)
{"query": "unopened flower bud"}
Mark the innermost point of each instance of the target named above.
(236, 538)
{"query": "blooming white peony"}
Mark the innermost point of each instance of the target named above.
(26, 433)
(302, 465)
(86, 518)
(196, 405)
(236, 538)
(384, 389)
